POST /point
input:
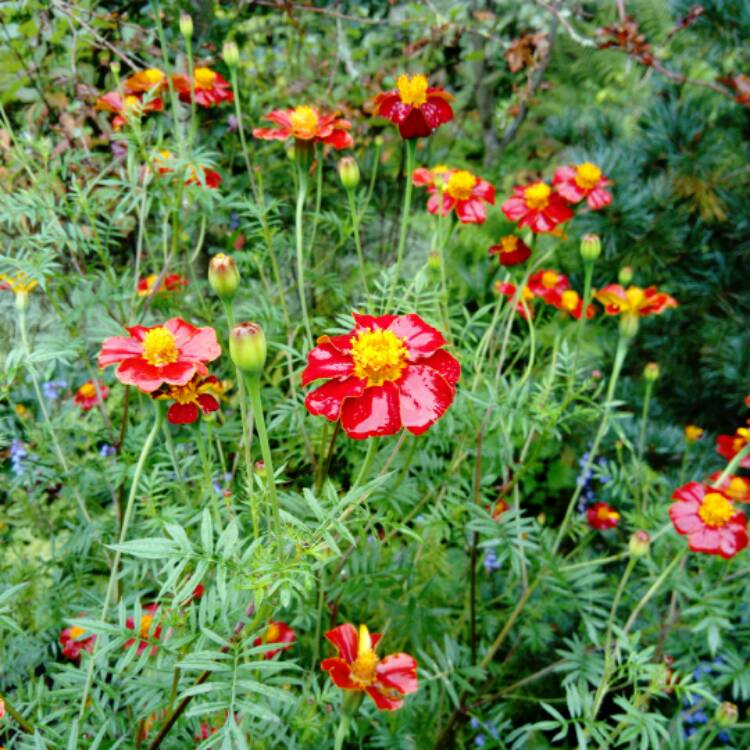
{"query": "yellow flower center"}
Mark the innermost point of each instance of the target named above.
(606, 514)
(636, 297)
(132, 104)
(737, 489)
(159, 347)
(378, 356)
(527, 294)
(569, 300)
(508, 244)
(18, 283)
(153, 76)
(145, 625)
(549, 279)
(364, 666)
(460, 184)
(412, 90)
(587, 175)
(304, 121)
(273, 633)
(537, 196)
(185, 394)
(87, 390)
(76, 632)
(716, 510)
(204, 78)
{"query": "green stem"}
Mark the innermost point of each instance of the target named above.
(207, 479)
(442, 237)
(364, 470)
(588, 271)
(318, 199)
(644, 419)
(301, 194)
(358, 242)
(145, 450)
(731, 467)
(341, 732)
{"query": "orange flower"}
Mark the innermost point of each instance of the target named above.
(127, 107)
(151, 79)
(172, 282)
(86, 396)
(211, 89)
(305, 123)
(634, 301)
(277, 632)
(734, 487)
(693, 433)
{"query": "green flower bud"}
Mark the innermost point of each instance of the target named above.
(230, 54)
(186, 25)
(433, 260)
(639, 543)
(651, 372)
(349, 172)
(726, 714)
(628, 325)
(591, 247)
(223, 276)
(114, 66)
(625, 276)
(247, 347)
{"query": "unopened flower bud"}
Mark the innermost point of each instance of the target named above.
(22, 300)
(186, 25)
(625, 276)
(433, 260)
(639, 543)
(726, 714)
(223, 276)
(591, 247)
(628, 325)
(260, 469)
(651, 372)
(114, 66)
(247, 347)
(349, 172)
(230, 54)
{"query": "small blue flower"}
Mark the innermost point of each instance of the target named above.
(107, 450)
(17, 455)
(52, 388)
(490, 561)
(475, 723)
(479, 740)
(723, 736)
(234, 221)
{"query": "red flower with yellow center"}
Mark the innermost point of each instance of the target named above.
(196, 175)
(734, 487)
(145, 629)
(73, 642)
(570, 302)
(172, 282)
(508, 289)
(709, 520)
(548, 285)
(190, 399)
(168, 354)
(387, 373)
(456, 189)
(151, 79)
(277, 632)
(634, 301)
(87, 397)
(511, 250)
(357, 667)
(127, 107)
(211, 88)
(537, 206)
(305, 123)
(415, 107)
(602, 516)
(729, 446)
(583, 181)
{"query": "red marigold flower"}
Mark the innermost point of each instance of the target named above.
(211, 88)
(537, 206)
(570, 302)
(511, 250)
(548, 285)
(387, 373)
(305, 123)
(602, 516)
(418, 109)
(358, 667)
(712, 524)
(86, 396)
(729, 446)
(634, 301)
(172, 282)
(127, 107)
(734, 487)
(150, 357)
(73, 642)
(583, 181)
(190, 399)
(457, 189)
(508, 289)
(145, 631)
(277, 632)
(151, 79)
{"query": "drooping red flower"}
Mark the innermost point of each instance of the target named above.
(127, 107)
(709, 520)
(196, 174)
(634, 301)
(146, 631)
(415, 107)
(171, 353)
(602, 516)
(358, 667)
(73, 640)
(537, 206)
(149, 80)
(734, 487)
(277, 632)
(172, 282)
(511, 250)
(211, 88)
(508, 289)
(190, 400)
(584, 180)
(86, 396)
(729, 446)
(456, 189)
(387, 373)
(305, 123)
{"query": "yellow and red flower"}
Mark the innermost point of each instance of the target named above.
(87, 396)
(602, 516)
(417, 108)
(357, 667)
(305, 123)
(537, 206)
(146, 631)
(693, 433)
(634, 301)
(277, 632)
(709, 520)
(196, 175)
(456, 189)
(211, 88)
(508, 289)
(498, 509)
(548, 284)
(584, 180)
(172, 282)
(150, 357)
(190, 399)
(389, 372)
(19, 283)
(73, 640)
(729, 446)
(511, 250)
(127, 107)
(145, 81)
(734, 487)
(572, 303)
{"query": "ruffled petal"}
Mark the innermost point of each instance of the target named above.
(705, 540)
(373, 321)
(421, 339)
(326, 361)
(136, 371)
(207, 403)
(598, 198)
(327, 400)
(424, 396)
(414, 124)
(201, 345)
(376, 412)
(338, 139)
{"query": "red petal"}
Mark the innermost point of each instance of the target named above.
(484, 190)
(373, 321)
(422, 176)
(424, 396)
(136, 371)
(326, 401)
(398, 671)
(338, 139)
(515, 208)
(414, 125)
(691, 492)
(340, 673)
(471, 211)
(346, 640)
(117, 348)
(599, 198)
(436, 111)
(207, 403)
(446, 364)
(706, 540)
(183, 413)
(382, 701)
(685, 517)
(198, 344)
(271, 134)
(422, 340)
(326, 361)
(376, 412)
(178, 373)
(389, 105)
